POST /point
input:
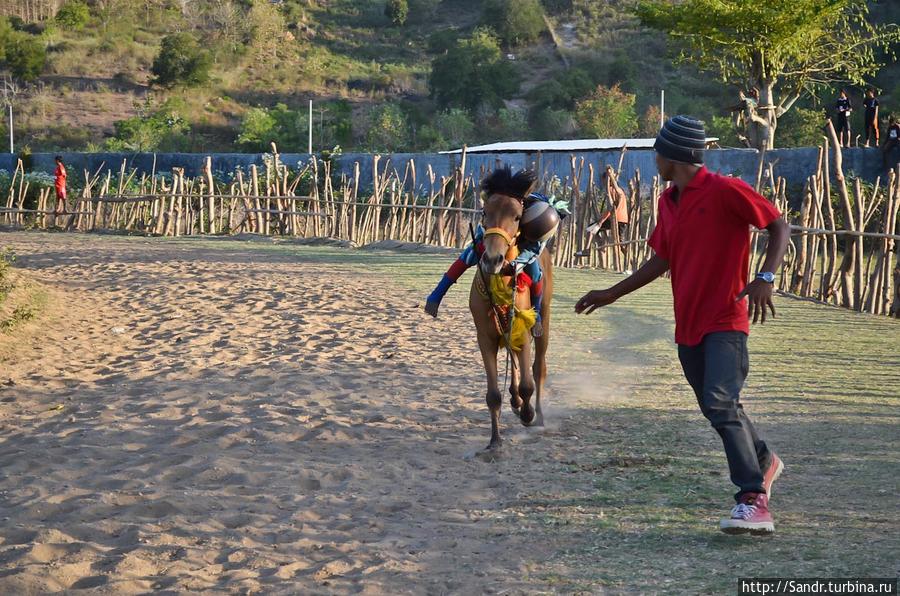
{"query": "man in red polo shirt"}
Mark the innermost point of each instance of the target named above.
(702, 238)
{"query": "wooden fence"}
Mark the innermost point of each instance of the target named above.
(843, 249)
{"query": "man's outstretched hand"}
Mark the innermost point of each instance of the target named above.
(594, 300)
(759, 293)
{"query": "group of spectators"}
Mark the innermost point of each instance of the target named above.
(843, 107)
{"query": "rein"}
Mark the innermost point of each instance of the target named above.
(506, 330)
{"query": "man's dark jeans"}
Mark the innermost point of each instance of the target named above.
(716, 370)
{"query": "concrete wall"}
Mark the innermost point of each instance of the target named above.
(795, 165)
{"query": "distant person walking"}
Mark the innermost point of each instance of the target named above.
(617, 210)
(871, 105)
(843, 107)
(59, 182)
(891, 142)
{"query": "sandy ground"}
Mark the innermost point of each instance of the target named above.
(185, 418)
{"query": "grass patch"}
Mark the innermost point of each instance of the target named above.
(20, 301)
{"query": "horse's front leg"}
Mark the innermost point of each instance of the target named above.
(515, 402)
(526, 384)
(488, 346)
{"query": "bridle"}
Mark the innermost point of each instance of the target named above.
(510, 240)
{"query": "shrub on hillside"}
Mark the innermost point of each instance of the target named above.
(181, 61)
(159, 131)
(73, 15)
(397, 11)
(517, 22)
(23, 54)
(387, 128)
(456, 127)
(607, 113)
(440, 42)
(473, 73)
(285, 127)
(562, 91)
(551, 124)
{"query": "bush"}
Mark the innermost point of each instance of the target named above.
(181, 60)
(473, 73)
(650, 122)
(723, 128)
(397, 11)
(455, 127)
(607, 113)
(387, 128)
(440, 42)
(517, 22)
(158, 131)
(73, 15)
(800, 127)
(258, 129)
(22, 54)
(287, 128)
(549, 123)
(562, 91)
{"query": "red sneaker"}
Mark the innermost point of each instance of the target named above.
(751, 514)
(772, 473)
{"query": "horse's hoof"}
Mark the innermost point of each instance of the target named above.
(526, 415)
(515, 402)
(491, 453)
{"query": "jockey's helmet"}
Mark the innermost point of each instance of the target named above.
(539, 220)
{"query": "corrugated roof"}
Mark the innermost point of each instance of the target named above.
(574, 145)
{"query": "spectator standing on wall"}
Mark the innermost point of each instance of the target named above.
(891, 141)
(59, 182)
(871, 119)
(843, 108)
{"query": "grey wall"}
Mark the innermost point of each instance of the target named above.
(795, 165)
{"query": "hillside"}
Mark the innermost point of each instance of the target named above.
(368, 77)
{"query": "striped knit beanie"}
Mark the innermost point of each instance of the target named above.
(683, 139)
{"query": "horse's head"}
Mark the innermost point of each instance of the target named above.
(504, 198)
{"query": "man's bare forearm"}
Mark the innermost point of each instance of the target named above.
(779, 236)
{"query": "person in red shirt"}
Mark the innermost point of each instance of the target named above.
(59, 182)
(702, 238)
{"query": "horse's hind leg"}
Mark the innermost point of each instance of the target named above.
(540, 371)
(494, 399)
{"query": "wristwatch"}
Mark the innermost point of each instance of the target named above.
(766, 276)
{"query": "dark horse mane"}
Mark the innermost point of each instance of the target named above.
(503, 182)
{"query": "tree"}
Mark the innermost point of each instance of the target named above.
(181, 60)
(73, 15)
(472, 73)
(516, 22)
(397, 11)
(785, 48)
(607, 113)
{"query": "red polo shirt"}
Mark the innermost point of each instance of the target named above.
(705, 237)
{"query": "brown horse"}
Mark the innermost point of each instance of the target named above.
(504, 197)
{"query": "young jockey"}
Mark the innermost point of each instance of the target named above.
(528, 260)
